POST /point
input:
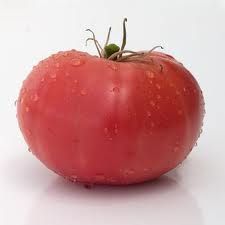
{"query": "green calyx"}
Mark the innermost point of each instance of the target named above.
(110, 49)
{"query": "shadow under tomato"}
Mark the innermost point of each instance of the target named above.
(161, 202)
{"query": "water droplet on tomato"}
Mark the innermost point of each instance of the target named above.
(152, 103)
(67, 74)
(83, 92)
(184, 89)
(42, 79)
(116, 90)
(196, 144)
(35, 97)
(53, 75)
(28, 131)
(106, 130)
(152, 124)
(57, 65)
(27, 109)
(24, 90)
(65, 54)
(73, 178)
(179, 112)
(158, 86)
(76, 62)
(171, 84)
(29, 150)
(128, 172)
(21, 100)
(100, 177)
(158, 96)
(116, 131)
(175, 149)
(147, 170)
(75, 81)
(149, 114)
(150, 74)
(177, 92)
(112, 66)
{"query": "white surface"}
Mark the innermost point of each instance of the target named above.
(194, 32)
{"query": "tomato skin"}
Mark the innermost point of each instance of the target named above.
(98, 121)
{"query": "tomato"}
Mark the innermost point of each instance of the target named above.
(95, 120)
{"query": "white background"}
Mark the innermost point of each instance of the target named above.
(193, 31)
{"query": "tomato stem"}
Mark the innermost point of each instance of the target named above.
(124, 36)
(107, 40)
(113, 51)
(95, 41)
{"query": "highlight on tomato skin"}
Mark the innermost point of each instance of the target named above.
(121, 118)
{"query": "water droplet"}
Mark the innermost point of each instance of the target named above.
(57, 65)
(106, 130)
(158, 96)
(42, 79)
(158, 86)
(175, 149)
(111, 180)
(177, 93)
(76, 62)
(28, 131)
(53, 75)
(15, 103)
(100, 177)
(179, 112)
(152, 103)
(152, 124)
(116, 90)
(150, 74)
(149, 114)
(107, 133)
(29, 150)
(67, 74)
(113, 66)
(21, 100)
(24, 90)
(73, 178)
(65, 54)
(184, 89)
(116, 129)
(83, 92)
(82, 53)
(27, 109)
(35, 97)
(128, 172)
(73, 90)
(75, 81)
(147, 170)
(196, 144)
(200, 131)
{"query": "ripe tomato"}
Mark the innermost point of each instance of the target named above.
(94, 120)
